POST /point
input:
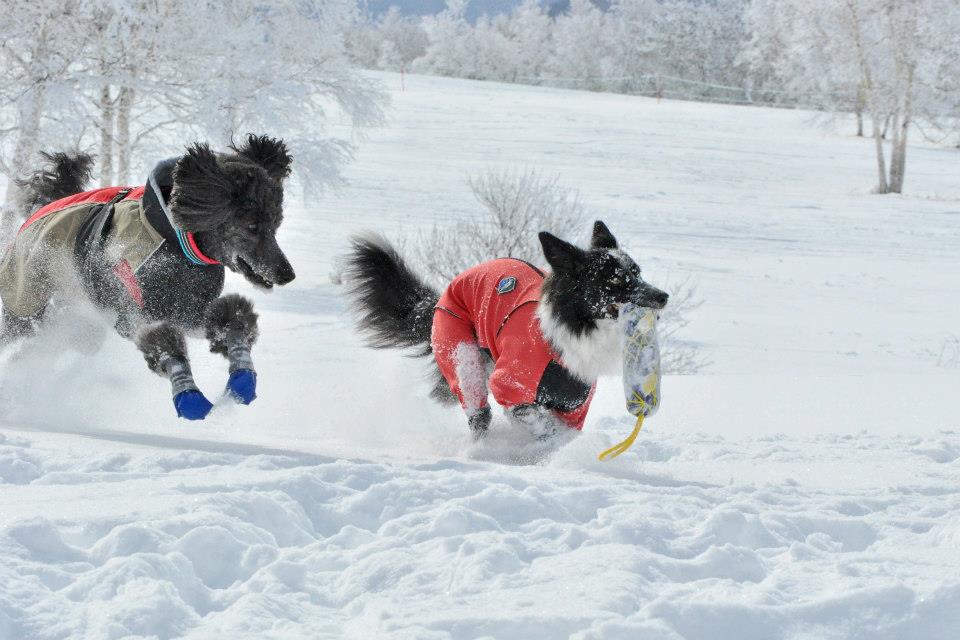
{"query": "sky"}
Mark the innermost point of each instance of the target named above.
(475, 9)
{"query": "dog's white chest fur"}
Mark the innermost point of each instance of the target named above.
(587, 356)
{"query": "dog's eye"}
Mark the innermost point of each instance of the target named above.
(253, 227)
(616, 281)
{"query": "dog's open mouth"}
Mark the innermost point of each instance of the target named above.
(251, 275)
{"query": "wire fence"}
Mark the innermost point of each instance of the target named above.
(676, 88)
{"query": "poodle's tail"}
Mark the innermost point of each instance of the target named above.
(394, 306)
(63, 175)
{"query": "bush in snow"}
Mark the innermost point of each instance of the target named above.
(515, 206)
(679, 356)
(949, 357)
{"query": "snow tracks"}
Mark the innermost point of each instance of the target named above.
(675, 540)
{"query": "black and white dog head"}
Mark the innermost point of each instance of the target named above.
(233, 203)
(581, 299)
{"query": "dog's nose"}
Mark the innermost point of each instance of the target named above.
(285, 274)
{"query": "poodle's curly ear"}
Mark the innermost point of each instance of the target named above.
(201, 190)
(269, 153)
(602, 238)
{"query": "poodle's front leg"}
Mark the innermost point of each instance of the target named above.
(165, 350)
(231, 325)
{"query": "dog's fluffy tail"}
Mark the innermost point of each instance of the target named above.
(394, 305)
(63, 175)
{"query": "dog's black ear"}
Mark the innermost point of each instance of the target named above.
(201, 190)
(269, 153)
(560, 254)
(602, 238)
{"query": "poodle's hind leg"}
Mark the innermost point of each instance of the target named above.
(231, 325)
(14, 327)
(165, 350)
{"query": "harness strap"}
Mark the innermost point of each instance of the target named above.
(95, 228)
(188, 244)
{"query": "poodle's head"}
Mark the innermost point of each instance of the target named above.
(233, 204)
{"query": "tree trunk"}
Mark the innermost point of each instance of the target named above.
(898, 167)
(895, 150)
(881, 162)
(29, 111)
(106, 137)
(861, 106)
(124, 150)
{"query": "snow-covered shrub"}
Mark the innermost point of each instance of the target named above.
(949, 357)
(515, 206)
(677, 355)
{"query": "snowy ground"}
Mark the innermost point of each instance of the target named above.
(806, 485)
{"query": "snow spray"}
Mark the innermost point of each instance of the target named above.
(641, 369)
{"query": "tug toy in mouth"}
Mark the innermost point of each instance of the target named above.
(641, 369)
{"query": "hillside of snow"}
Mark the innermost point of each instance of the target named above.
(806, 484)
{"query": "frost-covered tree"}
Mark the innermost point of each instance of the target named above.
(583, 50)
(879, 57)
(450, 35)
(391, 42)
(132, 73)
(681, 39)
(134, 80)
(39, 44)
(279, 66)
(532, 30)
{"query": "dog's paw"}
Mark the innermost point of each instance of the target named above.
(192, 404)
(479, 421)
(242, 385)
(538, 421)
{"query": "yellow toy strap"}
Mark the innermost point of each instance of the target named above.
(617, 449)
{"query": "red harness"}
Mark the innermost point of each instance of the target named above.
(97, 196)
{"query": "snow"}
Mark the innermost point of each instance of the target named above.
(805, 485)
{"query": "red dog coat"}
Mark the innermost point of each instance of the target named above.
(492, 306)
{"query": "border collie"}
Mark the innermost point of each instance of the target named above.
(536, 341)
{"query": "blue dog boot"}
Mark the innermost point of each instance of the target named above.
(242, 385)
(189, 402)
(192, 404)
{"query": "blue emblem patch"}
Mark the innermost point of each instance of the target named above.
(506, 285)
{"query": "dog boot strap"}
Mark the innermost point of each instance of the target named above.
(242, 384)
(238, 353)
(179, 374)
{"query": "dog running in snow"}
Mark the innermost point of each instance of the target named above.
(155, 255)
(536, 341)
